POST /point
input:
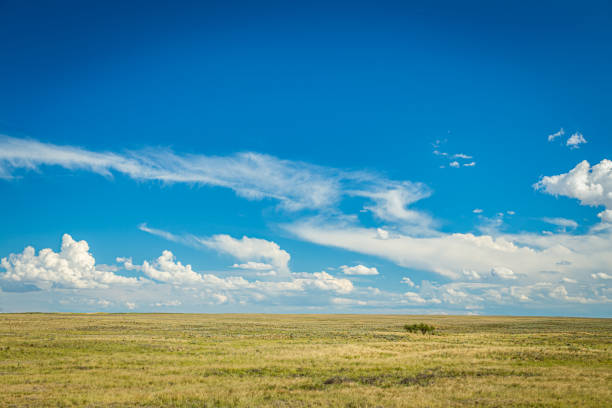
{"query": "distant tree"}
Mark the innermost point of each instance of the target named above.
(419, 327)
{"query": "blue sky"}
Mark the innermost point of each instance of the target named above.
(395, 157)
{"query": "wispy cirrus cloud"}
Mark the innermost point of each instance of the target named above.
(561, 222)
(254, 176)
(556, 135)
(294, 185)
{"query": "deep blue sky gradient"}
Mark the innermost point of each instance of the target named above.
(349, 85)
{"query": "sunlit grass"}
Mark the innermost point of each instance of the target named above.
(302, 360)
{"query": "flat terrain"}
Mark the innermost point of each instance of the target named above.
(153, 360)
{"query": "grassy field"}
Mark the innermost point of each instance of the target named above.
(153, 360)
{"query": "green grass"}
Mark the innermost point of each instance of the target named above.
(155, 360)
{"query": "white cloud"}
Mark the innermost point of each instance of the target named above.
(266, 273)
(391, 200)
(451, 255)
(569, 280)
(503, 272)
(249, 249)
(591, 185)
(251, 175)
(575, 140)
(471, 275)
(605, 216)
(561, 293)
(165, 234)
(243, 249)
(295, 185)
(601, 275)
(414, 297)
(325, 281)
(382, 234)
(347, 301)
(358, 270)
(477, 211)
(555, 135)
(255, 266)
(165, 269)
(220, 298)
(510, 212)
(72, 267)
(453, 162)
(130, 305)
(561, 222)
(169, 303)
(407, 281)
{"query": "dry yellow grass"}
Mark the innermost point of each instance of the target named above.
(155, 360)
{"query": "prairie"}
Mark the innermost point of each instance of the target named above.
(201, 360)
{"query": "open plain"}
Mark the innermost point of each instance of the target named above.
(200, 360)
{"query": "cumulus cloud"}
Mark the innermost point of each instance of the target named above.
(477, 211)
(358, 270)
(408, 281)
(591, 185)
(249, 249)
(72, 267)
(325, 281)
(601, 275)
(555, 135)
(165, 269)
(414, 298)
(575, 140)
(454, 164)
(470, 164)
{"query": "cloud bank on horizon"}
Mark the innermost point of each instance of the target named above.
(478, 271)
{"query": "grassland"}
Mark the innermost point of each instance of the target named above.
(154, 360)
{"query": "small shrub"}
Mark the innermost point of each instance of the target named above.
(419, 327)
